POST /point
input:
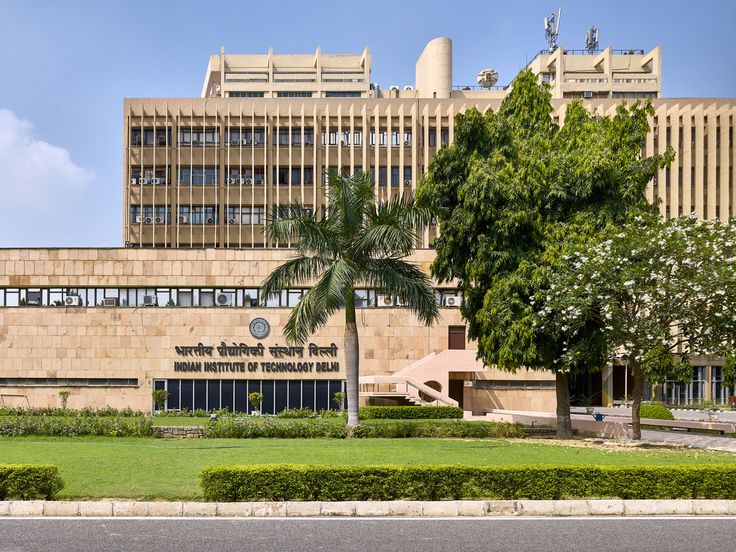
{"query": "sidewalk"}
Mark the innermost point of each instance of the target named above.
(398, 508)
(694, 440)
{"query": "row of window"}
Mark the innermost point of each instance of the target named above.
(188, 297)
(189, 136)
(278, 395)
(295, 176)
(68, 382)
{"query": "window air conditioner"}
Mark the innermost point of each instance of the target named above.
(110, 302)
(134, 181)
(407, 142)
(149, 301)
(138, 219)
(145, 181)
(232, 220)
(249, 181)
(184, 219)
(210, 220)
(155, 181)
(385, 300)
(73, 301)
(407, 182)
(452, 301)
(231, 180)
(148, 220)
(159, 220)
(223, 300)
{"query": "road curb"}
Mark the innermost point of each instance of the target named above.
(397, 508)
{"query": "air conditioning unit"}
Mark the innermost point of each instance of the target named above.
(231, 180)
(241, 180)
(232, 220)
(407, 88)
(407, 182)
(587, 95)
(73, 301)
(249, 181)
(343, 142)
(159, 220)
(246, 142)
(148, 220)
(407, 142)
(210, 220)
(134, 181)
(452, 301)
(385, 300)
(155, 181)
(110, 302)
(150, 301)
(223, 300)
(138, 219)
(184, 219)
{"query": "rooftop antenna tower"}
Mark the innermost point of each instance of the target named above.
(552, 28)
(591, 40)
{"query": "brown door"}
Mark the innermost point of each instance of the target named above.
(456, 337)
(456, 391)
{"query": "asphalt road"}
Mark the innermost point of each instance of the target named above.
(374, 535)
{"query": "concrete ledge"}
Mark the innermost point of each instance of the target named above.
(397, 508)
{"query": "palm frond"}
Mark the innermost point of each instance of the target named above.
(407, 282)
(295, 271)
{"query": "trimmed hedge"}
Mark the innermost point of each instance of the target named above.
(409, 412)
(655, 411)
(107, 411)
(29, 482)
(72, 426)
(251, 428)
(296, 482)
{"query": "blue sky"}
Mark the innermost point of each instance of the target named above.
(68, 65)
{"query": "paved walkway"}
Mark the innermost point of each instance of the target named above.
(695, 440)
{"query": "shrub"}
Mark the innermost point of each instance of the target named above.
(53, 411)
(29, 482)
(297, 413)
(410, 412)
(655, 411)
(251, 428)
(437, 429)
(72, 426)
(294, 482)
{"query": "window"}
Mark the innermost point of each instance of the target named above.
(293, 94)
(407, 175)
(245, 94)
(445, 136)
(394, 176)
(147, 214)
(394, 138)
(199, 136)
(382, 176)
(432, 137)
(199, 176)
(206, 214)
(345, 138)
(358, 137)
(407, 137)
(342, 94)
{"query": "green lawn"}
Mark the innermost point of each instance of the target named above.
(108, 467)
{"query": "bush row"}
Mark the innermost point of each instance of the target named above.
(248, 428)
(291, 482)
(107, 411)
(410, 412)
(29, 482)
(69, 426)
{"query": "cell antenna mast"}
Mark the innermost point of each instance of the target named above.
(552, 29)
(591, 40)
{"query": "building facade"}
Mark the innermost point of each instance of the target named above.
(178, 306)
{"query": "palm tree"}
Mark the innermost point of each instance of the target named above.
(357, 242)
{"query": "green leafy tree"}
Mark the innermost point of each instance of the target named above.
(360, 242)
(501, 192)
(657, 288)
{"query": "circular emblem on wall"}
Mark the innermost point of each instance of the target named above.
(259, 328)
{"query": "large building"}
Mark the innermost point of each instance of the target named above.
(178, 307)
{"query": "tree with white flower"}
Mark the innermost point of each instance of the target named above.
(661, 290)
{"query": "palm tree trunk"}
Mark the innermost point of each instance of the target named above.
(636, 395)
(352, 361)
(564, 422)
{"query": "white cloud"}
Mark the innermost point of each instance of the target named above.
(39, 183)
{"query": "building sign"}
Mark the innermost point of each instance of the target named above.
(307, 360)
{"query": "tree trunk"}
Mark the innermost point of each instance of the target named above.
(352, 362)
(564, 422)
(636, 395)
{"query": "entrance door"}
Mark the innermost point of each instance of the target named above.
(456, 337)
(457, 387)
